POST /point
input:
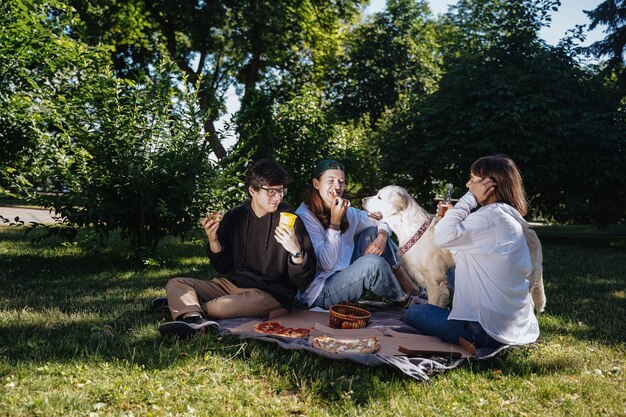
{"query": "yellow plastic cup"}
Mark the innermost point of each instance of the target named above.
(288, 219)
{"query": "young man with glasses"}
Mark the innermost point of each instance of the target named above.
(266, 263)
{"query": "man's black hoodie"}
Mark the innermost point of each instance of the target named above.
(252, 257)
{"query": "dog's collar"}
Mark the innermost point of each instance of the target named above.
(408, 245)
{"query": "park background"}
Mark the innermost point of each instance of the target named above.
(115, 116)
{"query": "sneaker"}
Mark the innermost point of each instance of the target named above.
(187, 327)
(159, 304)
(414, 299)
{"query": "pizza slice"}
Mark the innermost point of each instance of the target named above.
(274, 328)
(330, 344)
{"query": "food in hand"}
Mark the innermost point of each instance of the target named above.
(215, 216)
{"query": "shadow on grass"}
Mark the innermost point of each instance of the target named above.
(583, 236)
(63, 304)
(586, 293)
(98, 340)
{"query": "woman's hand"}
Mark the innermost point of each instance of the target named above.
(482, 189)
(376, 215)
(377, 247)
(442, 207)
(338, 208)
(287, 237)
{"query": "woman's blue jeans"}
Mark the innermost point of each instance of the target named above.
(364, 238)
(370, 272)
(433, 321)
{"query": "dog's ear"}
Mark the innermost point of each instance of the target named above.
(400, 203)
(403, 201)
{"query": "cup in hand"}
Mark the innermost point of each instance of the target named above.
(288, 219)
(442, 207)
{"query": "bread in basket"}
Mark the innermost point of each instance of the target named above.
(347, 316)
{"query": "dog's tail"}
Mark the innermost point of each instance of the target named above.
(536, 277)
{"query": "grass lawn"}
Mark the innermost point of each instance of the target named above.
(76, 340)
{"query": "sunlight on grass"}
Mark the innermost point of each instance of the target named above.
(194, 261)
(76, 340)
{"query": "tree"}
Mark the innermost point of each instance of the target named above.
(36, 57)
(512, 94)
(131, 157)
(393, 55)
(611, 13)
(223, 44)
(308, 131)
(128, 155)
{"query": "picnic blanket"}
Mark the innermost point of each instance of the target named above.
(386, 324)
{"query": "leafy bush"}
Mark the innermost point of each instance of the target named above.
(307, 132)
(38, 57)
(130, 157)
(513, 94)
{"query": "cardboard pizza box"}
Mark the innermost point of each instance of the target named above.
(394, 343)
(409, 344)
(302, 318)
(344, 334)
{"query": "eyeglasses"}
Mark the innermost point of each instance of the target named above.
(274, 192)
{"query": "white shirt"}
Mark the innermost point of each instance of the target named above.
(332, 248)
(493, 265)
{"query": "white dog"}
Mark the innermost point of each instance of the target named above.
(536, 276)
(425, 263)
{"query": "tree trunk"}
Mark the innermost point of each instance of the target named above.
(216, 145)
(251, 77)
(169, 32)
(209, 126)
(252, 72)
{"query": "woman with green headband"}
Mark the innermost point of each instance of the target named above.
(354, 254)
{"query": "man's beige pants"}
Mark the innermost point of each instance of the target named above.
(217, 299)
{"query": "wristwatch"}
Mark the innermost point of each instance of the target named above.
(298, 254)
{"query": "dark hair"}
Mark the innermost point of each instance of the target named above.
(314, 202)
(265, 172)
(504, 172)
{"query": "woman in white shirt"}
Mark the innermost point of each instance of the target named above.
(346, 268)
(492, 304)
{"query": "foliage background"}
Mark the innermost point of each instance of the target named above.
(107, 114)
(109, 108)
(76, 340)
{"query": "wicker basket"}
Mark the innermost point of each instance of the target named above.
(345, 316)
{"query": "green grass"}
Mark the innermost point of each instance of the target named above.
(584, 235)
(76, 340)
